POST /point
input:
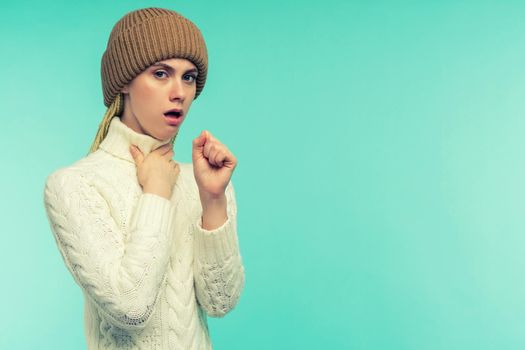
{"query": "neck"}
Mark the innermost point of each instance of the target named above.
(120, 137)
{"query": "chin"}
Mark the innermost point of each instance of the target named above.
(168, 136)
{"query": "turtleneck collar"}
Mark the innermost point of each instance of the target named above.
(120, 137)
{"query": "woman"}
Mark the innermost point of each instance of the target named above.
(151, 242)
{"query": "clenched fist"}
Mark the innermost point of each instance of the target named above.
(213, 164)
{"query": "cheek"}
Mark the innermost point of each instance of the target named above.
(191, 93)
(145, 98)
(147, 90)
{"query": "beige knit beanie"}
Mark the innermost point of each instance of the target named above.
(139, 39)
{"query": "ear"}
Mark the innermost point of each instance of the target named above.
(125, 89)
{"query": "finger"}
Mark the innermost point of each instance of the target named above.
(212, 138)
(168, 155)
(137, 155)
(219, 151)
(198, 141)
(206, 150)
(210, 153)
(163, 149)
(168, 148)
(228, 160)
(219, 158)
(176, 167)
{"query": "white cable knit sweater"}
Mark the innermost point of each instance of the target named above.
(148, 270)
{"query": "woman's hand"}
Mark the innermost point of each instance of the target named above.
(213, 165)
(157, 172)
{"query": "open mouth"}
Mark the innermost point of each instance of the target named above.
(173, 114)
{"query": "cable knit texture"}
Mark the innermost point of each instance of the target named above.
(150, 274)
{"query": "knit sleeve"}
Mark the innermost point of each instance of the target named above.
(218, 267)
(121, 276)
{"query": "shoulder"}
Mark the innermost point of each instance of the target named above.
(61, 183)
(59, 177)
(84, 169)
(73, 175)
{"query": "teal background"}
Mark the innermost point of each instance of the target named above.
(380, 177)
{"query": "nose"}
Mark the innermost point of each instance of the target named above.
(177, 91)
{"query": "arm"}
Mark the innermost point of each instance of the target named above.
(123, 278)
(218, 268)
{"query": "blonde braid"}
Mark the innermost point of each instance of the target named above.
(115, 109)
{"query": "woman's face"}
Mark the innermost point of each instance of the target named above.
(165, 86)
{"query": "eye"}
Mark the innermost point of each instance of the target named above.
(191, 76)
(160, 71)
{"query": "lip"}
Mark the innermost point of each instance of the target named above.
(179, 110)
(175, 121)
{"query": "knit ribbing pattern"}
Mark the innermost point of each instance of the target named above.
(149, 272)
(143, 37)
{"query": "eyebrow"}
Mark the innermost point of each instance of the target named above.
(171, 69)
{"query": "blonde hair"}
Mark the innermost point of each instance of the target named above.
(114, 110)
